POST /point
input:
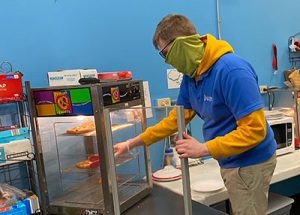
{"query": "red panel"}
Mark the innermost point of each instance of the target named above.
(11, 87)
(121, 75)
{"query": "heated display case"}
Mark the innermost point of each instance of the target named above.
(74, 129)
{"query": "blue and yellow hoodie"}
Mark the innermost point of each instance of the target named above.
(235, 129)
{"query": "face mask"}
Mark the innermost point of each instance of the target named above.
(186, 54)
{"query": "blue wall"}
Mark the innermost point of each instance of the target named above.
(41, 36)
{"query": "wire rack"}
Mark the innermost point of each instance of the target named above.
(5, 67)
(15, 175)
(294, 53)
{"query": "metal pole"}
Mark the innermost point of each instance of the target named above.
(269, 98)
(219, 20)
(37, 143)
(111, 163)
(184, 165)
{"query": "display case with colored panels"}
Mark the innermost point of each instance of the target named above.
(74, 130)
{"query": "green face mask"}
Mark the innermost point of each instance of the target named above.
(186, 54)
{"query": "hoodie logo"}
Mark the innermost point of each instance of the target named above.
(208, 98)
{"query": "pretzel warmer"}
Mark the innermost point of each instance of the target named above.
(74, 130)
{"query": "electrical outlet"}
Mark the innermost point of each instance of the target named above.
(263, 89)
(164, 102)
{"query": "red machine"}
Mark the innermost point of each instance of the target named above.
(11, 87)
(115, 76)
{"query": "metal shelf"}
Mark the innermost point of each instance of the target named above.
(89, 193)
(118, 162)
(114, 127)
(11, 174)
(294, 56)
(17, 172)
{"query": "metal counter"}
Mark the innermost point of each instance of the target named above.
(165, 202)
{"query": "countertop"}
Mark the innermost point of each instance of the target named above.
(288, 166)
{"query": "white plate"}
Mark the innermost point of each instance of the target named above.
(166, 179)
(207, 186)
(168, 172)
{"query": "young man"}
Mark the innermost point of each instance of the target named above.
(221, 88)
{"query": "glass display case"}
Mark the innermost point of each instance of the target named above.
(74, 129)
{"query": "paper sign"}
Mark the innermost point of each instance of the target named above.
(174, 78)
(147, 99)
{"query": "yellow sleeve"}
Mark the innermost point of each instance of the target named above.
(250, 131)
(165, 127)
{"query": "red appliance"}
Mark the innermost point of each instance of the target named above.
(115, 76)
(11, 87)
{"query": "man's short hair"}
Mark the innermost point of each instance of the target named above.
(172, 26)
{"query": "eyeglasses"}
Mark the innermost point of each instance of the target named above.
(161, 53)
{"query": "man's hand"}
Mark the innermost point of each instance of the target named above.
(124, 147)
(189, 147)
(121, 148)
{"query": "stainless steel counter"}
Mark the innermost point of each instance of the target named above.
(162, 201)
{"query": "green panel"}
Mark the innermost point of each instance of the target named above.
(80, 95)
(62, 102)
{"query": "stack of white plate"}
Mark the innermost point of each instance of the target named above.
(273, 114)
(168, 173)
(209, 185)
